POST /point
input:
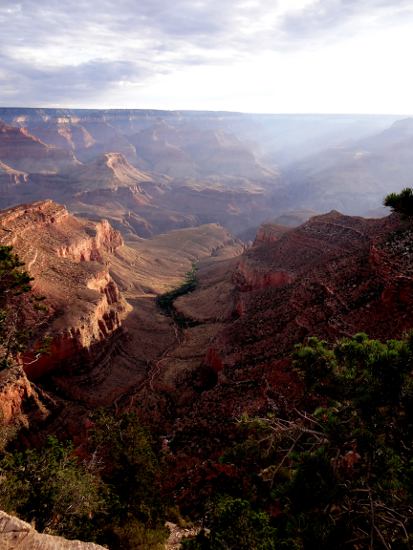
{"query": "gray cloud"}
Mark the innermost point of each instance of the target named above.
(54, 52)
(68, 84)
(325, 18)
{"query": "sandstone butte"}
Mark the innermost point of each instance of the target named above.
(334, 275)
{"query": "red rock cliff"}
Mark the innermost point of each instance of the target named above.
(66, 257)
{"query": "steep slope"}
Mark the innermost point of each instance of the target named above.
(108, 171)
(107, 138)
(189, 151)
(142, 268)
(65, 256)
(10, 176)
(236, 203)
(333, 276)
(63, 132)
(102, 345)
(11, 182)
(208, 167)
(25, 152)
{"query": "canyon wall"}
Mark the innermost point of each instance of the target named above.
(66, 257)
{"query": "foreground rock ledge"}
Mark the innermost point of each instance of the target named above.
(16, 534)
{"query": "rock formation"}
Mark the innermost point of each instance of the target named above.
(16, 534)
(65, 133)
(329, 277)
(100, 348)
(66, 258)
(25, 152)
(108, 171)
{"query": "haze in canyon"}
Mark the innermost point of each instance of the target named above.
(206, 309)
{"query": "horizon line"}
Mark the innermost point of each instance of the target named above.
(218, 111)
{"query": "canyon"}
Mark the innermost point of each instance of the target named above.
(333, 276)
(109, 210)
(162, 170)
(99, 294)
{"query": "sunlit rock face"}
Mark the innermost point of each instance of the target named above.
(66, 258)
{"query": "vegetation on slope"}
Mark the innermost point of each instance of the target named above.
(165, 301)
(111, 496)
(336, 474)
(20, 309)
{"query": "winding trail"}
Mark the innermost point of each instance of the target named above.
(32, 262)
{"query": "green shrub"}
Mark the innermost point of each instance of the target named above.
(52, 488)
(234, 525)
(335, 476)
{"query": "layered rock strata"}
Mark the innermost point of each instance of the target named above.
(66, 258)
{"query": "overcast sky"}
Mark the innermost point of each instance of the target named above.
(281, 56)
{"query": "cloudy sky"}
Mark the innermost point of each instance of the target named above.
(280, 56)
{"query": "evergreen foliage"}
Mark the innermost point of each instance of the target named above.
(341, 474)
(131, 473)
(19, 308)
(51, 488)
(234, 524)
(402, 202)
(111, 497)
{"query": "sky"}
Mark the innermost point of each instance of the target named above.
(281, 56)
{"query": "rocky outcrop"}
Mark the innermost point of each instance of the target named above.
(10, 176)
(129, 162)
(334, 275)
(101, 238)
(67, 258)
(11, 183)
(107, 171)
(248, 277)
(63, 132)
(347, 275)
(16, 534)
(16, 392)
(270, 233)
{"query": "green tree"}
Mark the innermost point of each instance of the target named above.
(339, 475)
(131, 472)
(401, 203)
(234, 525)
(165, 301)
(52, 488)
(20, 309)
